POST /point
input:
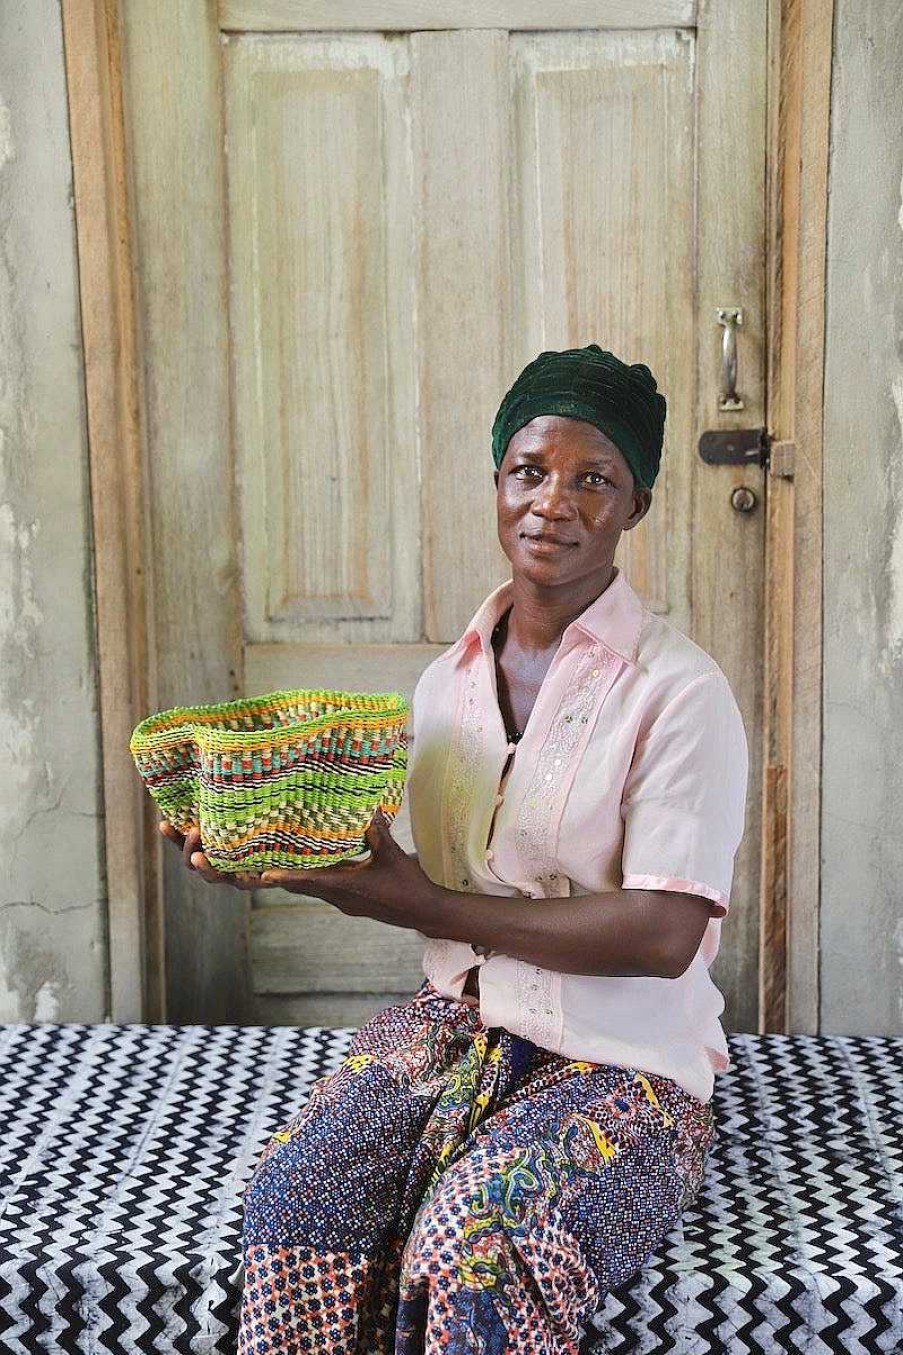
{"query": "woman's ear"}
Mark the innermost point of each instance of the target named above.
(642, 500)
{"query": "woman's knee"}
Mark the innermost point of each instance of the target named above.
(337, 1173)
(479, 1205)
(278, 1197)
(489, 1245)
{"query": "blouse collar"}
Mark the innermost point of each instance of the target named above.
(615, 620)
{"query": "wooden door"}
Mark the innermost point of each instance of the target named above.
(354, 224)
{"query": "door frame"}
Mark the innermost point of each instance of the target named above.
(91, 44)
(798, 102)
(799, 108)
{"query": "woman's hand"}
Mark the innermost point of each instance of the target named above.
(189, 844)
(388, 886)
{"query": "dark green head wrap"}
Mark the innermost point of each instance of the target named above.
(592, 384)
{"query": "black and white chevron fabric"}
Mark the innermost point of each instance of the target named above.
(123, 1151)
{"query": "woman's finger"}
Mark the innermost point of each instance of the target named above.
(308, 881)
(283, 879)
(200, 864)
(245, 879)
(171, 833)
(202, 867)
(378, 834)
(190, 846)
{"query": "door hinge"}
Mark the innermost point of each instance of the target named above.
(747, 447)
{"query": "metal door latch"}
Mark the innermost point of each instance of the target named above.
(734, 447)
(747, 447)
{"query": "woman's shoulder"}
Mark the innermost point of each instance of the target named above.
(435, 682)
(437, 675)
(671, 662)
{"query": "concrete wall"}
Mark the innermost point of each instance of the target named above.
(862, 872)
(52, 942)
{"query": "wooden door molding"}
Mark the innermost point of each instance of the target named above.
(122, 600)
(410, 16)
(174, 134)
(801, 33)
(727, 549)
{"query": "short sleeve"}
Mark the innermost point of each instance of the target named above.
(684, 800)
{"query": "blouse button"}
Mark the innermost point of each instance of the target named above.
(596, 672)
(489, 854)
(500, 799)
(465, 883)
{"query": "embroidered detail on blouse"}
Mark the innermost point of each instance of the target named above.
(459, 799)
(553, 773)
(536, 1003)
(536, 829)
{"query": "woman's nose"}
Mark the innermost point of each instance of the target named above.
(553, 500)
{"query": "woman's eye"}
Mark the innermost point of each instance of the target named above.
(527, 472)
(595, 477)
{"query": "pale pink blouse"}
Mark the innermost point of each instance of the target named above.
(631, 773)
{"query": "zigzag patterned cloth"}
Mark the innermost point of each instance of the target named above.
(124, 1150)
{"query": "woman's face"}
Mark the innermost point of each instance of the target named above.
(565, 494)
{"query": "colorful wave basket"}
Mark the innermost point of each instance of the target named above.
(290, 779)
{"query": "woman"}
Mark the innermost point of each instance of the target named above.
(496, 1153)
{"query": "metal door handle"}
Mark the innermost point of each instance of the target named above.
(730, 317)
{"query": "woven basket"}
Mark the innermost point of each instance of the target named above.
(287, 779)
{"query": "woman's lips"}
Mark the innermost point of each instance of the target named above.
(547, 545)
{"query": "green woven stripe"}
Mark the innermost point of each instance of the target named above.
(250, 808)
(258, 800)
(256, 719)
(296, 779)
(332, 787)
(241, 764)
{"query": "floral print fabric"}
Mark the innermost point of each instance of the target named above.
(454, 1188)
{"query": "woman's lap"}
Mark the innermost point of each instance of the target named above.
(495, 1189)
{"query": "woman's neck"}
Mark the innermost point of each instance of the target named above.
(539, 616)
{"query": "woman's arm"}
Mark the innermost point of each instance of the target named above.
(624, 932)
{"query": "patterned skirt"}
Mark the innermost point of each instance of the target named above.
(454, 1188)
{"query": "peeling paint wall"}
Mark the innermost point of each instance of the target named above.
(52, 930)
(862, 806)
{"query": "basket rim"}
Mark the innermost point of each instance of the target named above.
(180, 724)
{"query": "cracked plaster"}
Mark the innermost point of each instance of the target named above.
(52, 912)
